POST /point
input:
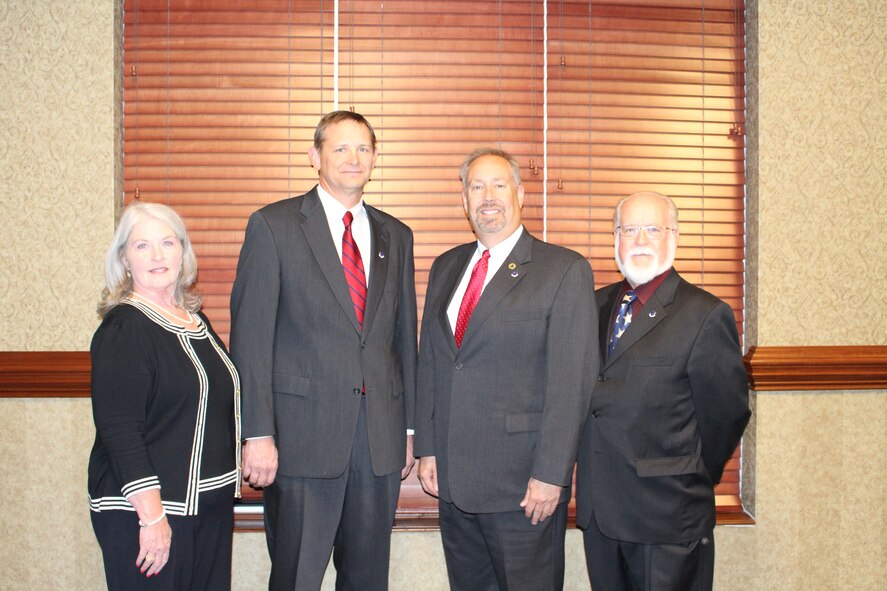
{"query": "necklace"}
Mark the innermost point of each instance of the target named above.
(152, 304)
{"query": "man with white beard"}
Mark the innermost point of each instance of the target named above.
(669, 408)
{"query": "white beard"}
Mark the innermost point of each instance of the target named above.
(639, 276)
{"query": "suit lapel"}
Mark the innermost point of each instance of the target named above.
(653, 312)
(379, 257)
(317, 233)
(506, 278)
(605, 316)
(450, 281)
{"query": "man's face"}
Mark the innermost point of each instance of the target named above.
(640, 259)
(491, 200)
(345, 160)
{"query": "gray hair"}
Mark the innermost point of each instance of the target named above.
(672, 208)
(118, 285)
(515, 167)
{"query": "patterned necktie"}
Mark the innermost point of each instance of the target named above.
(472, 294)
(623, 319)
(354, 274)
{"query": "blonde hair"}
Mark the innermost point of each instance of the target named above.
(118, 284)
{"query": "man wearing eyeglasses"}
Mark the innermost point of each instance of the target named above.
(669, 408)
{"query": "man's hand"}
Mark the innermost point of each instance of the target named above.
(259, 461)
(541, 500)
(428, 475)
(411, 461)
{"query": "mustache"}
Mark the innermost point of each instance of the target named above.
(641, 251)
(489, 205)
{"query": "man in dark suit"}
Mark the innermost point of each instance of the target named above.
(668, 410)
(507, 354)
(323, 332)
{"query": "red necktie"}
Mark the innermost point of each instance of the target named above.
(354, 274)
(472, 294)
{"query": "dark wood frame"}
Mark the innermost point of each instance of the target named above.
(66, 374)
(817, 368)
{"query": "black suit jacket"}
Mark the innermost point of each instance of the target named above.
(509, 404)
(302, 356)
(669, 408)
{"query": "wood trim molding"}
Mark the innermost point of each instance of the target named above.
(44, 374)
(66, 374)
(817, 368)
(250, 518)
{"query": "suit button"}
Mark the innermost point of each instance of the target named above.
(595, 414)
(704, 541)
(602, 378)
(356, 391)
(458, 366)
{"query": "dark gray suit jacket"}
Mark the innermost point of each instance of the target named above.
(669, 408)
(508, 405)
(300, 351)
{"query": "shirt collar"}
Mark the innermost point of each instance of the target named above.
(335, 211)
(645, 291)
(502, 249)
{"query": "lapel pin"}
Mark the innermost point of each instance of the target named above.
(653, 314)
(381, 254)
(512, 266)
(514, 273)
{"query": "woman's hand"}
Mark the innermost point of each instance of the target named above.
(155, 540)
(154, 543)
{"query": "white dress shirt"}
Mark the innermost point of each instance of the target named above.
(498, 254)
(360, 227)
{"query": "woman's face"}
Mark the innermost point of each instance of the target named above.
(154, 257)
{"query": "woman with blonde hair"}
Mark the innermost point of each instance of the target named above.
(165, 466)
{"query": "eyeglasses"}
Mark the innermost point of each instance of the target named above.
(652, 231)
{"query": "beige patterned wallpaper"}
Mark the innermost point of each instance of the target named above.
(56, 168)
(823, 172)
(818, 214)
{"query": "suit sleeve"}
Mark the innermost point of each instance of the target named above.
(719, 386)
(254, 300)
(423, 444)
(572, 357)
(406, 332)
(122, 386)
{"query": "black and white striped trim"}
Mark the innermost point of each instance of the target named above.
(138, 486)
(172, 507)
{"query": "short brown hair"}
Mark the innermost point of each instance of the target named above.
(338, 117)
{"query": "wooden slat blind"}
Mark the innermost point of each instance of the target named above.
(437, 80)
(220, 104)
(221, 98)
(643, 96)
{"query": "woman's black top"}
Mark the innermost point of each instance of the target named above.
(166, 406)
